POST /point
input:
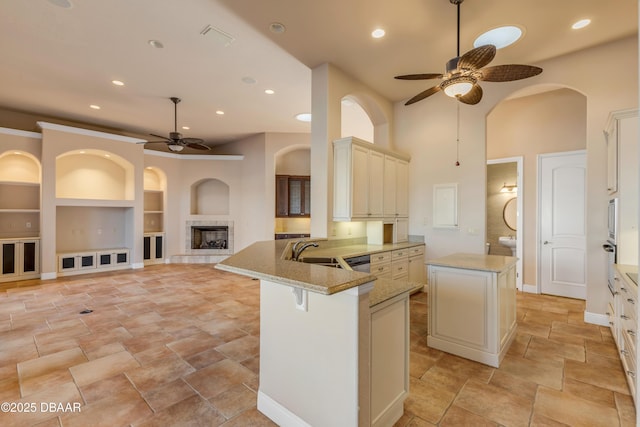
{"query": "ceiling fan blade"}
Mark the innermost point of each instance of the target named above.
(477, 58)
(152, 142)
(472, 97)
(422, 95)
(419, 76)
(508, 73)
(191, 141)
(197, 146)
(161, 137)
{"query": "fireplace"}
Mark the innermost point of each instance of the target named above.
(209, 238)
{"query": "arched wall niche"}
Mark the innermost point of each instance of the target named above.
(94, 174)
(154, 179)
(210, 197)
(293, 161)
(19, 166)
(362, 117)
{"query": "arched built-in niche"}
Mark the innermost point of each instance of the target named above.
(210, 197)
(154, 196)
(19, 195)
(94, 174)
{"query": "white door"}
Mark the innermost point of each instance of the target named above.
(562, 225)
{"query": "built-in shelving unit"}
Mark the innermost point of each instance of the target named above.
(153, 244)
(19, 217)
(94, 211)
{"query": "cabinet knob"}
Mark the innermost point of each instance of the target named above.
(629, 300)
(624, 316)
(631, 332)
(624, 352)
(632, 374)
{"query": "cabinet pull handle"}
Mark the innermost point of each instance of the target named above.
(631, 332)
(380, 268)
(624, 316)
(623, 289)
(624, 352)
(632, 374)
(611, 323)
(629, 300)
(608, 314)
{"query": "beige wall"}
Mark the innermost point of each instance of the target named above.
(427, 132)
(549, 122)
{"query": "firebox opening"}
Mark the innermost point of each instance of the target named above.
(209, 237)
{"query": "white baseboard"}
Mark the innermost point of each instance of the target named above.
(596, 318)
(136, 265)
(48, 276)
(278, 413)
(531, 289)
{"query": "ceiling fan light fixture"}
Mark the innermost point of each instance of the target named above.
(458, 86)
(175, 147)
(499, 37)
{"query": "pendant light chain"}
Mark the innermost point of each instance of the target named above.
(458, 135)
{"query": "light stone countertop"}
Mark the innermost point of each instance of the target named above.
(266, 260)
(494, 263)
(623, 269)
(353, 250)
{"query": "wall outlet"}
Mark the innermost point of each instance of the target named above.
(28, 225)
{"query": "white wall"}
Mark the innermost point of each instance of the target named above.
(427, 132)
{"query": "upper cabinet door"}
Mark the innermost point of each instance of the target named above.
(390, 178)
(611, 137)
(402, 189)
(360, 182)
(376, 184)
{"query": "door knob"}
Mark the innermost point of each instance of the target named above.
(546, 242)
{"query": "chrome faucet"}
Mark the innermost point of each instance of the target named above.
(295, 251)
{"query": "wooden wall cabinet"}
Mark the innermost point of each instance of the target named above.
(293, 196)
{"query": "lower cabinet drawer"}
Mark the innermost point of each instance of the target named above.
(400, 268)
(380, 269)
(380, 258)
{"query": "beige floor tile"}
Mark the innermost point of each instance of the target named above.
(589, 392)
(98, 390)
(549, 347)
(516, 385)
(599, 371)
(159, 372)
(601, 348)
(62, 394)
(191, 411)
(54, 362)
(168, 394)
(237, 399)
(456, 417)
(585, 331)
(194, 344)
(218, 378)
(427, 401)
(494, 403)
(252, 418)
(104, 367)
(538, 420)
(549, 373)
(569, 409)
(241, 349)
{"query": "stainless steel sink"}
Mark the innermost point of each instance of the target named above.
(326, 261)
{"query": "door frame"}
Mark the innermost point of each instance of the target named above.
(539, 208)
(519, 160)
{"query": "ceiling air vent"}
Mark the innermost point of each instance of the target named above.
(225, 39)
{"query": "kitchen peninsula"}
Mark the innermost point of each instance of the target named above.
(334, 343)
(472, 301)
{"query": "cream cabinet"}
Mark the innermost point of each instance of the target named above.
(625, 323)
(389, 360)
(381, 264)
(400, 264)
(472, 306)
(366, 180)
(153, 248)
(417, 268)
(19, 259)
(71, 263)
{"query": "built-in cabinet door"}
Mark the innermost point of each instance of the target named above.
(30, 257)
(360, 182)
(9, 259)
(402, 189)
(153, 248)
(376, 184)
(389, 193)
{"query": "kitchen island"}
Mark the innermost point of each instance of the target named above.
(334, 343)
(472, 306)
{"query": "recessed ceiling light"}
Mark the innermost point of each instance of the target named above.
(186, 127)
(95, 107)
(249, 80)
(82, 151)
(269, 91)
(107, 156)
(277, 27)
(581, 24)
(220, 112)
(156, 43)
(499, 37)
(378, 33)
(62, 3)
(303, 117)
(17, 153)
(117, 82)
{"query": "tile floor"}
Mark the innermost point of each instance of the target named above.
(179, 345)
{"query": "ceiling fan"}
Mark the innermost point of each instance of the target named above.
(176, 142)
(462, 74)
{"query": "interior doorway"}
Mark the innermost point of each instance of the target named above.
(504, 216)
(562, 224)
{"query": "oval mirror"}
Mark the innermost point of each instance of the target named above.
(510, 213)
